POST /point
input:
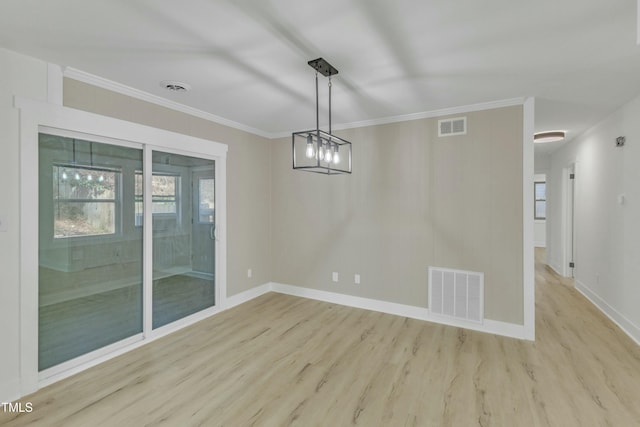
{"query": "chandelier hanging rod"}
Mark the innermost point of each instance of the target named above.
(323, 67)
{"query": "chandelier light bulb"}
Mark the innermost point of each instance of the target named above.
(89, 177)
(64, 176)
(328, 156)
(310, 153)
(336, 156)
(101, 178)
(77, 176)
(321, 151)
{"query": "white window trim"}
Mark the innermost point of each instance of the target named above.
(35, 117)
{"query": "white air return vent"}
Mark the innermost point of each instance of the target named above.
(456, 294)
(454, 126)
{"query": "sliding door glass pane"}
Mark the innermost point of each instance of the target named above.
(90, 250)
(183, 203)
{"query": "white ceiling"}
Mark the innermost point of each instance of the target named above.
(247, 59)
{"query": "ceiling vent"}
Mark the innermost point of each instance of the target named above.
(175, 86)
(451, 127)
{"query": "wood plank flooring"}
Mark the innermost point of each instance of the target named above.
(280, 360)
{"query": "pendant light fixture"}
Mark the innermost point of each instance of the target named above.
(316, 150)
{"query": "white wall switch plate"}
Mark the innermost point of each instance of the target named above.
(249, 273)
(356, 279)
(334, 276)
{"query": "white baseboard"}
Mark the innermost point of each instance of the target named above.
(247, 295)
(353, 301)
(421, 313)
(556, 268)
(10, 391)
(616, 317)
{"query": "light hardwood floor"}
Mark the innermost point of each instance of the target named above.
(280, 360)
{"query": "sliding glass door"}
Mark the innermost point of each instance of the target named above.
(183, 205)
(90, 251)
(92, 287)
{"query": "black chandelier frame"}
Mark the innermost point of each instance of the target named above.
(317, 141)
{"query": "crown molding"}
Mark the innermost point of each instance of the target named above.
(435, 113)
(103, 83)
(423, 115)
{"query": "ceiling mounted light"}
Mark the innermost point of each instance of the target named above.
(549, 136)
(175, 86)
(316, 150)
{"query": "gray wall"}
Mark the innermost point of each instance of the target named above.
(413, 200)
(248, 171)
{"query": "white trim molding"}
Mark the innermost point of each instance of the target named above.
(555, 268)
(247, 295)
(423, 115)
(435, 113)
(528, 255)
(420, 313)
(627, 326)
(120, 88)
(82, 76)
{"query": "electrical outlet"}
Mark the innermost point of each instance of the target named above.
(334, 276)
(356, 279)
(249, 273)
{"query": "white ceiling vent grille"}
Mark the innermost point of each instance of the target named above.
(456, 294)
(454, 126)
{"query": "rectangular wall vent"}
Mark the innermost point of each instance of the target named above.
(454, 126)
(456, 294)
